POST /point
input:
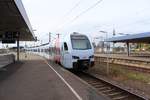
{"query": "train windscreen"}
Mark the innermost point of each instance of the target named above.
(80, 42)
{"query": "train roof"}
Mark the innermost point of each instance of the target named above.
(76, 33)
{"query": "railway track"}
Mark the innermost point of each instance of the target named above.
(139, 69)
(108, 89)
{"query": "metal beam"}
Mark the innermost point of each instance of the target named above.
(18, 48)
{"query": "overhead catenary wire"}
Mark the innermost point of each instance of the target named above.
(141, 20)
(74, 7)
(135, 22)
(70, 11)
(83, 12)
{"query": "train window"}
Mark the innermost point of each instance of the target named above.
(80, 42)
(65, 46)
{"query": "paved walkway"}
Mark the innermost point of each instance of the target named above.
(33, 79)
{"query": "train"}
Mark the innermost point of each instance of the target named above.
(75, 51)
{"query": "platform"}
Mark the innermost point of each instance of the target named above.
(34, 79)
(124, 56)
(141, 62)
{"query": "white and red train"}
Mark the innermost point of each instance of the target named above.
(75, 51)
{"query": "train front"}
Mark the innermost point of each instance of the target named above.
(82, 52)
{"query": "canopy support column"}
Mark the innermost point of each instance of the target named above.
(128, 49)
(18, 48)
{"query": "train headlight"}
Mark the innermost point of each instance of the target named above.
(91, 56)
(75, 57)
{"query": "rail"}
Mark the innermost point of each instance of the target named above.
(113, 91)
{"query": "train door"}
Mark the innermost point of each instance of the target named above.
(62, 55)
(66, 56)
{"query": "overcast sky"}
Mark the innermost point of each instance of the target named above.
(59, 16)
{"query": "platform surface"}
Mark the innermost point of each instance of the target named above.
(123, 56)
(33, 79)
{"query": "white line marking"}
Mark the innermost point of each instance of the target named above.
(75, 93)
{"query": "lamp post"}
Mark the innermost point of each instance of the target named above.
(114, 33)
(105, 39)
(107, 62)
(96, 45)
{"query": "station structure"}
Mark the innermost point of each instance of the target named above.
(133, 38)
(14, 23)
(27, 81)
(43, 79)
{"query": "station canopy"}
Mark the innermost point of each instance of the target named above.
(133, 38)
(13, 18)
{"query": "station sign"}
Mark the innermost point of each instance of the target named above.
(1, 36)
(8, 41)
(9, 37)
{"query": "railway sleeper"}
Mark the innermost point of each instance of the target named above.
(123, 97)
(103, 88)
(114, 93)
(110, 90)
(94, 83)
(99, 85)
(89, 80)
(86, 78)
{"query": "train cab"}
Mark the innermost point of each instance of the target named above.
(77, 52)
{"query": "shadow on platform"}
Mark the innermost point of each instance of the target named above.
(7, 71)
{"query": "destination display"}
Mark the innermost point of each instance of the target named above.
(9, 37)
